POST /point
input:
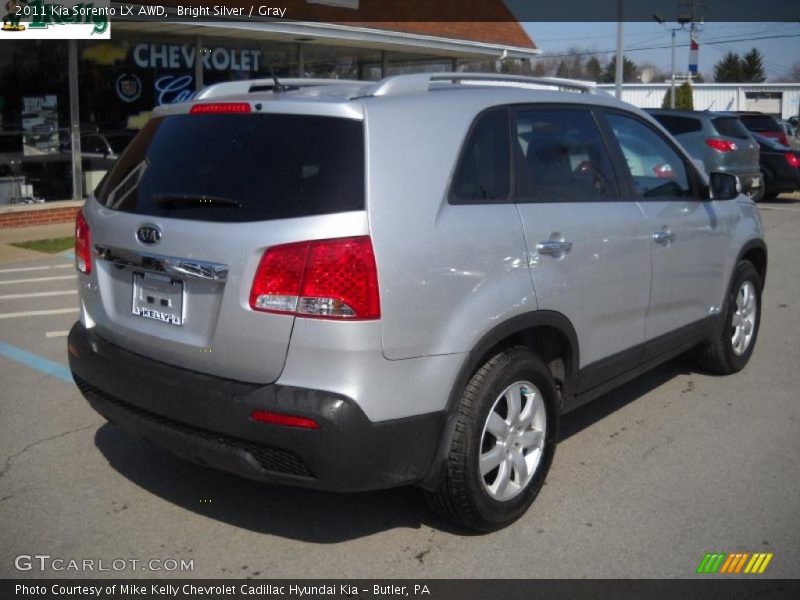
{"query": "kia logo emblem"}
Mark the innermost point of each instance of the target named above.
(148, 234)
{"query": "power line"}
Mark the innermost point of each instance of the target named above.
(705, 42)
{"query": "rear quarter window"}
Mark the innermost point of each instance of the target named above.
(760, 123)
(679, 125)
(233, 167)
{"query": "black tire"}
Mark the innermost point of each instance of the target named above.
(717, 354)
(770, 196)
(462, 498)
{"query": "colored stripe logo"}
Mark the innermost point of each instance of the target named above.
(734, 563)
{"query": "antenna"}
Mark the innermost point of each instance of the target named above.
(278, 87)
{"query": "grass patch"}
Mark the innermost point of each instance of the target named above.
(50, 246)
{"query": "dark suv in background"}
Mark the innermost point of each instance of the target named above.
(764, 125)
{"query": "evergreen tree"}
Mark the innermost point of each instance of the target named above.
(753, 67)
(594, 70)
(683, 97)
(728, 69)
(629, 71)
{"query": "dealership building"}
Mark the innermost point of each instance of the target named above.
(51, 88)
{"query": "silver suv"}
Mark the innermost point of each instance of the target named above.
(364, 285)
(720, 140)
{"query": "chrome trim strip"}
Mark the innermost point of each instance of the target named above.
(179, 268)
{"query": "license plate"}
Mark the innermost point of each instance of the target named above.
(755, 182)
(159, 298)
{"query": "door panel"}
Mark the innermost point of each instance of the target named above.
(602, 285)
(687, 235)
(589, 250)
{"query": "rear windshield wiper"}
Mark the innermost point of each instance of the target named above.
(194, 200)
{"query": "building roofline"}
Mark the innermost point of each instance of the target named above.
(702, 85)
(365, 36)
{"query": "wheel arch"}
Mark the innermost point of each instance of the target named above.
(755, 251)
(547, 333)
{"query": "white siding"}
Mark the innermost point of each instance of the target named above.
(712, 96)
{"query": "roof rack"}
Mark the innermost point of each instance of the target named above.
(248, 86)
(416, 83)
(420, 83)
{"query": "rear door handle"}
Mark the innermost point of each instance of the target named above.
(663, 237)
(553, 247)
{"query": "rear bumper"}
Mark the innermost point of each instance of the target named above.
(206, 419)
(747, 177)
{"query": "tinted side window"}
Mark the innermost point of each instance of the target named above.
(760, 123)
(731, 127)
(560, 156)
(656, 169)
(484, 170)
(679, 125)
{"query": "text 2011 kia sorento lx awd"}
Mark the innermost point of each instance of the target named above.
(359, 285)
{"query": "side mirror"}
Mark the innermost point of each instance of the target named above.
(723, 186)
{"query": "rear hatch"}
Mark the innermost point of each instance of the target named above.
(766, 126)
(182, 220)
(744, 159)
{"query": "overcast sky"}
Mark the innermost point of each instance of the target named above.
(779, 52)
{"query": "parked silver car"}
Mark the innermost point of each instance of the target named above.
(365, 285)
(720, 140)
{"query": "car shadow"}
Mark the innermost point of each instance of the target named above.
(294, 513)
(596, 410)
(310, 515)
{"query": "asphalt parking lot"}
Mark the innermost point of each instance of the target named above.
(646, 480)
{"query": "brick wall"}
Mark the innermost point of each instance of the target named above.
(38, 215)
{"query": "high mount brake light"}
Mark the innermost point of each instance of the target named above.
(217, 108)
(323, 279)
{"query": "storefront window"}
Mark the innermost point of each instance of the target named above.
(120, 82)
(34, 122)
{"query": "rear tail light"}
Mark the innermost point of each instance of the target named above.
(324, 279)
(83, 244)
(664, 171)
(217, 108)
(793, 159)
(273, 418)
(721, 145)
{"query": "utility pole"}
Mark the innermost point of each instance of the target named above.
(692, 20)
(672, 70)
(620, 58)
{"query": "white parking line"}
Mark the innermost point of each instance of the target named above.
(37, 279)
(38, 313)
(56, 334)
(38, 295)
(21, 269)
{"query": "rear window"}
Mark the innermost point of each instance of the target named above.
(679, 125)
(234, 168)
(731, 127)
(760, 123)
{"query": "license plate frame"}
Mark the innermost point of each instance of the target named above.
(158, 298)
